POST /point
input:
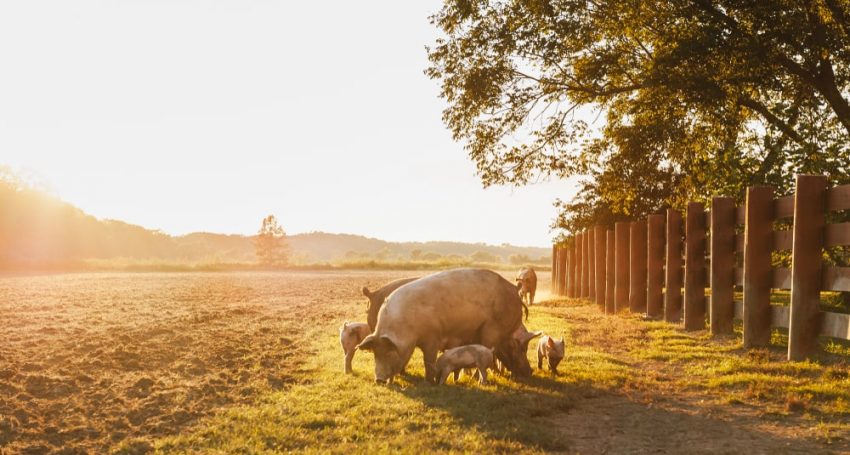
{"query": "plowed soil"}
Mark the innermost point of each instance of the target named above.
(88, 361)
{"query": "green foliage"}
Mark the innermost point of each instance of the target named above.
(696, 98)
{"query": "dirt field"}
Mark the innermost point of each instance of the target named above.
(88, 361)
(250, 362)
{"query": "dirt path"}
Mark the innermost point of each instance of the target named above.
(617, 424)
(653, 413)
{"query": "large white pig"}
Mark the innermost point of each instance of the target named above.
(447, 310)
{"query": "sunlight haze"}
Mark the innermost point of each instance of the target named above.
(192, 116)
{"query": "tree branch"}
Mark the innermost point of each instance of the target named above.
(771, 118)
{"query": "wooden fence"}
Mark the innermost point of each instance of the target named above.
(654, 266)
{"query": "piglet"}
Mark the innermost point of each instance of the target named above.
(469, 356)
(552, 350)
(350, 335)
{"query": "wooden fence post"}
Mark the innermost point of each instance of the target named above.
(563, 264)
(654, 265)
(609, 272)
(568, 276)
(600, 239)
(806, 264)
(637, 267)
(673, 268)
(621, 285)
(556, 257)
(580, 289)
(554, 289)
(591, 264)
(565, 281)
(585, 274)
(694, 303)
(758, 275)
(574, 271)
(554, 275)
(722, 304)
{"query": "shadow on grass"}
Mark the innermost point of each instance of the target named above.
(504, 409)
(549, 414)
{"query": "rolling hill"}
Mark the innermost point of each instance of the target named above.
(37, 228)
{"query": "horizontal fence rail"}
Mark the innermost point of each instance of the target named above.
(663, 265)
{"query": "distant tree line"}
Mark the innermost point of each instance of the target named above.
(417, 255)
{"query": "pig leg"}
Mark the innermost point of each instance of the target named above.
(456, 375)
(348, 357)
(531, 298)
(429, 353)
(482, 373)
(539, 359)
(444, 375)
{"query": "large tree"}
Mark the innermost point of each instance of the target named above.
(693, 97)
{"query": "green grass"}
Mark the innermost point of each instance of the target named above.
(349, 413)
(720, 368)
(328, 411)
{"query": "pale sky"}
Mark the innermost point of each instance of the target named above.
(208, 115)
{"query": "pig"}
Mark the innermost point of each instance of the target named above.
(446, 310)
(526, 281)
(376, 299)
(350, 335)
(470, 356)
(552, 350)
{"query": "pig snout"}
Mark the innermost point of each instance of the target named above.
(522, 370)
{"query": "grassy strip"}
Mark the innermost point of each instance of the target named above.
(330, 411)
(335, 412)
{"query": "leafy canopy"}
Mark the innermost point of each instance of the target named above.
(693, 97)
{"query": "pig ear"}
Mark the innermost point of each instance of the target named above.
(368, 343)
(534, 335)
(551, 342)
(386, 340)
(366, 292)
